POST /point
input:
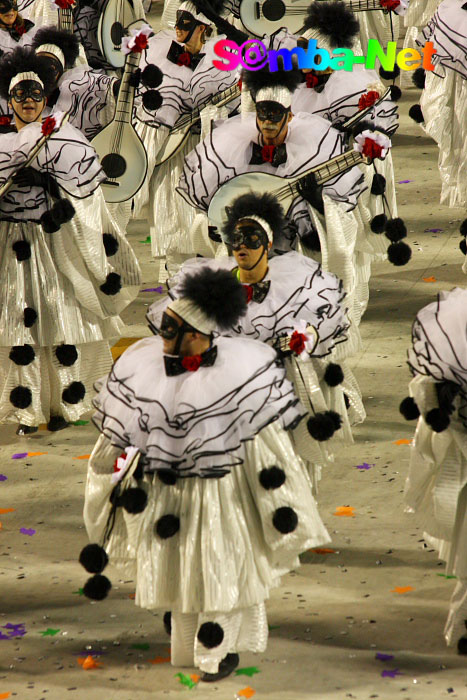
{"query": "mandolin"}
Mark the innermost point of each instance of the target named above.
(283, 188)
(262, 17)
(120, 149)
(181, 129)
(65, 17)
(115, 18)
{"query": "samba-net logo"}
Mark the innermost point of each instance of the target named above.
(253, 55)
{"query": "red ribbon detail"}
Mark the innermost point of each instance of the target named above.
(19, 28)
(141, 43)
(368, 99)
(48, 125)
(371, 149)
(123, 455)
(267, 153)
(192, 362)
(311, 80)
(297, 342)
(248, 292)
(389, 4)
(240, 83)
(184, 59)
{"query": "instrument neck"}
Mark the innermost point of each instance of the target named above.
(364, 5)
(126, 93)
(65, 20)
(326, 171)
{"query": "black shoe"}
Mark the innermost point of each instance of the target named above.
(462, 645)
(26, 429)
(57, 423)
(168, 622)
(226, 667)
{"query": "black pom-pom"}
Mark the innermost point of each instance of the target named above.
(48, 223)
(346, 401)
(22, 355)
(167, 476)
(112, 284)
(218, 294)
(321, 426)
(74, 393)
(66, 355)
(167, 620)
(463, 246)
(167, 526)
(62, 212)
(21, 397)
(415, 113)
(152, 100)
(22, 250)
(311, 241)
(333, 374)
(134, 500)
(409, 409)
(399, 253)
(210, 634)
(462, 645)
(110, 244)
(152, 76)
(94, 558)
(29, 316)
(396, 93)
(378, 223)
(463, 228)
(437, 419)
(418, 78)
(336, 419)
(97, 587)
(395, 230)
(285, 519)
(390, 74)
(271, 478)
(378, 185)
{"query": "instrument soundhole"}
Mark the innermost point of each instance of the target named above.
(116, 33)
(113, 164)
(273, 10)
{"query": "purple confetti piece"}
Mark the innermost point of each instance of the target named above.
(383, 657)
(433, 230)
(14, 630)
(3, 477)
(90, 653)
(404, 182)
(365, 465)
(391, 673)
(27, 531)
(19, 455)
(159, 290)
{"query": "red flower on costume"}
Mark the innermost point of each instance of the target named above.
(297, 342)
(240, 83)
(184, 59)
(122, 456)
(192, 362)
(371, 149)
(311, 80)
(5, 120)
(141, 43)
(248, 292)
(48, 125)
(389, 4)
(64, 4)
(267, 153)
(368, 99)
(19, 29)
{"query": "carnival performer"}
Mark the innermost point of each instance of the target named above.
(294, 306)
(416, 18)
(443, 104)
(189, 81)
(88, 95)
(436, 487)
(66, 271)
(208, 548)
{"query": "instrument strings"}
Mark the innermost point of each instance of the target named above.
(123, 104)
(355, 6)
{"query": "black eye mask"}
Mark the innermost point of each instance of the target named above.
(270, 111)
(186, 23)
(169, 327)
(25, 89)
(7, 5)
(252, 237)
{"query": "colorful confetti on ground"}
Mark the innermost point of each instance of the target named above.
(345, 511)
(402, 589)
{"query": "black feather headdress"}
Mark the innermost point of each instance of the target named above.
(67, 43)
(208, 7)
(264, 205)
(256, 80)
(333, 20)
(24, 60)
(217, 293)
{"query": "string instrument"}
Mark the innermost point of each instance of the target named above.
(262, 17)
(283, 188)
(65, 18)
(182, 127)
(115, 18)
(120, 149)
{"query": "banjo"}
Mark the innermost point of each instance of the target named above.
(268, 16)
(115, 18)
(179, 132)
(125, 173)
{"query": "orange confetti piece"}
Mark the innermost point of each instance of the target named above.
(246, 692)
(195, 678)
(429, 279)
(345, 511)
(159, 660)
(4, 696)
(89, 663)
(132, 596)
(402, 441)
(402, 589)
(323, 550)
(36, 454)
(82, 457)
(7, 510)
